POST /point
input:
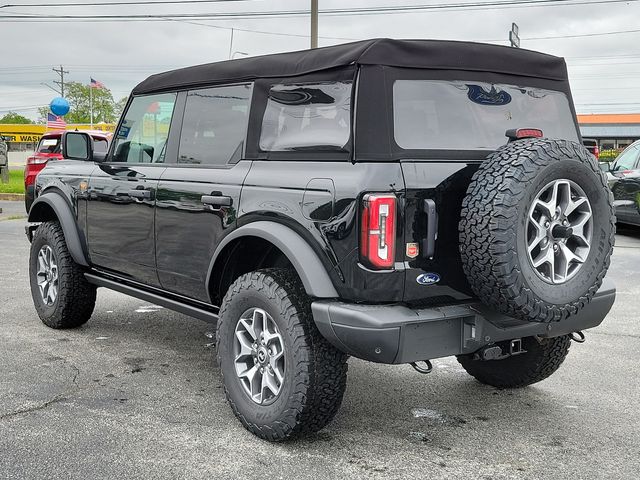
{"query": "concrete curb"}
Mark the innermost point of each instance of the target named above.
(14, 197)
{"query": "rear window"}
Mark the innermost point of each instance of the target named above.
(49, 145)
(463, 115)
(307, 117)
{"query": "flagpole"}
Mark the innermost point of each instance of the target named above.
(91, 104)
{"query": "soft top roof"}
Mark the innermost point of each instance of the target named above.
(430, 54)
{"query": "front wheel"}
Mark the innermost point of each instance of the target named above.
(542, 357)
(281, 377)
(61, 294)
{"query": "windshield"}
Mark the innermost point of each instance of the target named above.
(467, 115)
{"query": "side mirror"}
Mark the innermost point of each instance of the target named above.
(605, 166)
(77, 146)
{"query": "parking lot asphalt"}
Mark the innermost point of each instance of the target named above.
(136, 393)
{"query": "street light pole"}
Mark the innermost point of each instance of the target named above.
(231, 44)
(314, 23)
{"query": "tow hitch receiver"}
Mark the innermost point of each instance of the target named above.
(500, 350)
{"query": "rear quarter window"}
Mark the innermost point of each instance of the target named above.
(311, 117)
(467, 115)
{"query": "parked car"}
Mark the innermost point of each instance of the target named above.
(397, 201)
(49, 149)
(592, 146)
(624, 180)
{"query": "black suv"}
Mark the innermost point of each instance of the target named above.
(397, 201)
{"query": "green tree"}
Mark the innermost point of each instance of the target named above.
(79, 97)
(119, 107)
(13, 117)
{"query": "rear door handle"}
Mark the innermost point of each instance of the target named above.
(217, 200)
(141, 194)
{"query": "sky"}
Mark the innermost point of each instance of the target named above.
(604, 67)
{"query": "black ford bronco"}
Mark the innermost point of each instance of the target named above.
(397, 201)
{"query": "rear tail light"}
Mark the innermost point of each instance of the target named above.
(36, 160)
(378, 230)
(35, 163)
(518, 133)
(596, 152)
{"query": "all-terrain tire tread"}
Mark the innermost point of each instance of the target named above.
(321, 368)
(543, 358)
(487, 229)
(76, 296)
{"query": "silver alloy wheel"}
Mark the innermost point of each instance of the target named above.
(559, 231)
(259, 356)
(47, 275)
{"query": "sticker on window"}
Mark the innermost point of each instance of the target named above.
(477, 94)
(49, 142)
(124, 130)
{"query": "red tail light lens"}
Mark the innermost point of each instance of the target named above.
(518, 133)
(36, 160)
(378, 230)
(596, 152)
(35, 163)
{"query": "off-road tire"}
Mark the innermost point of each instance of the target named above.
(542, 358)
(316, 372)
(76, 297)
(493, 226)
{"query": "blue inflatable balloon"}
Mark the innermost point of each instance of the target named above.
(59, 106)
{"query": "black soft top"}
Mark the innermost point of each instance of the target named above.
(427, 54)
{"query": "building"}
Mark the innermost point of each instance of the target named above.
(613, 131)
(26, 137)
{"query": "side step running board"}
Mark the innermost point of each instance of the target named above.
(171, 304)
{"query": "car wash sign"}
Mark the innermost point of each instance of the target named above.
(21, 137)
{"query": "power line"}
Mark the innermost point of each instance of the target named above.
(338, 11)
(105, 4)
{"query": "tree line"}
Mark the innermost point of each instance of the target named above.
(105, 108)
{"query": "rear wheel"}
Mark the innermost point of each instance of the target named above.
(62, 296)
(281, 377)
(543, 356)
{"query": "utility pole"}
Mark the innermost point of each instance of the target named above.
(314, 23)
(60, 72)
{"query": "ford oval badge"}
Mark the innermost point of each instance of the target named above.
(428, 278)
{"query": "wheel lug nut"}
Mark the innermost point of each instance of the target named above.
(555, 247)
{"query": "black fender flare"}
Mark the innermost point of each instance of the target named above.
(65, 216)
(312, 272)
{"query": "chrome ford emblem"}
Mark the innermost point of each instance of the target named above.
(428, 278)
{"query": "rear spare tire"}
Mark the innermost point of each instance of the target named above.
(537, 229)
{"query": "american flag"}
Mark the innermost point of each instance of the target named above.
(96, 84)
(54, 121)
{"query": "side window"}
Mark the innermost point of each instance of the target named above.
(142, 136)
(627, 159)
(307, 117)
(214, 125)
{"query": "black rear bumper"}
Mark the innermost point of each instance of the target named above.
(398, 334)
